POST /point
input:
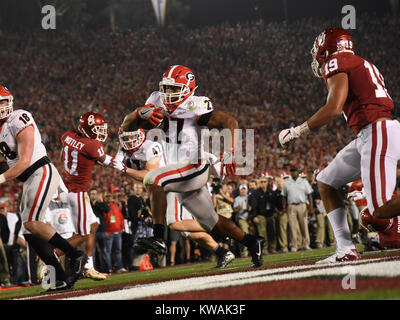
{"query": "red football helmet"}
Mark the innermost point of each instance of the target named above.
(93, 126)
(330, 41)
(131, 141)
(177, 85)
(6, 103)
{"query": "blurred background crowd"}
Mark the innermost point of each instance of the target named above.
(258, 71)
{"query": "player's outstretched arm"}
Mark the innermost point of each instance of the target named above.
(112, 162)
(25, 140)
(338, 86)
(152, 164)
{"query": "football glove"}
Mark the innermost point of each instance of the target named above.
(292, 133)
(151, 114)
(228, 163)
(117, 164)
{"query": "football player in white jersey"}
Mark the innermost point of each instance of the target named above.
(21, 146)
(187, 169)
(142, 155)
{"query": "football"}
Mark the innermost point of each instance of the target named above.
(3, 167)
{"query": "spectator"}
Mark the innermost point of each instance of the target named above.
(296, 194)
(5, 277)
(282, 215)
(100, 208)
(115, 226)
(240, 208)
(223, 201)
(264, 213)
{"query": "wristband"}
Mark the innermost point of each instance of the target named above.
(2, 178)
(302, 129)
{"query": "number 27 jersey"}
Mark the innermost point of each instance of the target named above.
(12, 127)
(79, 156)
(368, 98)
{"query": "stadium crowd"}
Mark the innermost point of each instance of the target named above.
(257, 71)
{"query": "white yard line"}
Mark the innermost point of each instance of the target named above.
(366, 267)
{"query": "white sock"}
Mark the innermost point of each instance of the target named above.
(89, 263)
(340, 226)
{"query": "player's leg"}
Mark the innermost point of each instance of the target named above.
(343, 169)
(206, 241)
(200, 205)
(158, 205)
(379, 165)
(90, 223)
(38, 190)
(179, 219)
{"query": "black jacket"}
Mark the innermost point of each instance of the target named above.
(99, 209)
(263, 203)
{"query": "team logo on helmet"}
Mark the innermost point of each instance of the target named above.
(321, 39)
(189, 76)
(91, 120)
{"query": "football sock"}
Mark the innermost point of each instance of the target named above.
(340, 226)
(247, 239)
(62, 244)
(158, 231)
(46, 252)
(220, 251)
(89, 263)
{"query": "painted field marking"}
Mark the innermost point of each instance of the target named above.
(366, 267)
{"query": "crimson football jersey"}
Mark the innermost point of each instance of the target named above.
(391, 237)
(79, 157)
(368, 98)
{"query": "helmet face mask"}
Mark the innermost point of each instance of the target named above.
(131, 140)
(6, 103)
(93, 126)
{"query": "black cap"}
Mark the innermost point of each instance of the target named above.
(293, 169)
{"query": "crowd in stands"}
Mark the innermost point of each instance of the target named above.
(257, 71)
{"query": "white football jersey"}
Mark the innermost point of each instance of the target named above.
(15, 123)
(184, 140)
(147, 151)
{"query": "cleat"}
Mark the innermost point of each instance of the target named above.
(92, 273)
(256, 250)
(154, 244)
(225, 259)
(77, 267)
(60, 285)
(349, 255)
(42, 270)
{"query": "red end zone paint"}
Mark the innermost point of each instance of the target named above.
(281, 289)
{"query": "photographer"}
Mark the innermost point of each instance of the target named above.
(100, 208)
(222, 201)
(115, 227)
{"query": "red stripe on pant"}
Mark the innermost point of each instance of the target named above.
(372, 166)
(176, 210)
(382, 161)
(38, 193)
(180, 170)
(79, 214)
(84, 213)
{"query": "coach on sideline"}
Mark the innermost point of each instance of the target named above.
(296, 197)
